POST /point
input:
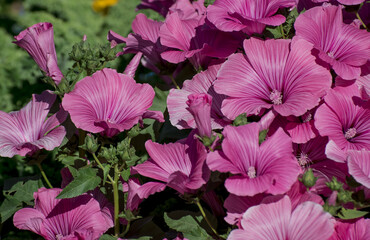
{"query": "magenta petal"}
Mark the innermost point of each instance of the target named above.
(108, 101)
(335, 153)
(309, 221)
(112, 36)
(217, 161)
(132, 66)
(26, 130)
(137, 192)
(359, 166)
(244, 186)
(29, 219)
(38, 41)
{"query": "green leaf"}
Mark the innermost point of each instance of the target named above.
(9, 207)
(351, 213)
(288, 25)
(276, 33)
(105, 172)
(86, 180)
(125, 174)
(188, 224)
(107, 237)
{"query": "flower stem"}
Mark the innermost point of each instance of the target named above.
(282, 31)
(101, 167)
(127, 228)
(359, 18)
(116, 200)
(44, 175)
(174, 82)
(205, 217)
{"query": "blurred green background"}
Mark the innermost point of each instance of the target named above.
(20, 76)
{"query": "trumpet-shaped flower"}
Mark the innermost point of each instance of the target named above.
(249, 16)
(26, 131)
(38, 41)
(108, 102)
(86, 217)
(278, 221)
(345, 119)
(268, 168)
(278, 74)
(180, 165)
(202, 83)
(345, 47)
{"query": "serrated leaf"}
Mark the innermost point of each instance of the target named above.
(351, 213)
(86, 180)
(125, 174)
(188, 224)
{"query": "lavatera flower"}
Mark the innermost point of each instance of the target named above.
(25, 131)
(108, 102)
(38, 41)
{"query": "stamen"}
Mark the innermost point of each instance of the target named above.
(307, 117)
(276, 97)
(331, 54)
(251, 172)
(303, 160)
(350, 133)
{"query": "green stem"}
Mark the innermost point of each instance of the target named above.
(205, 217)
(116, 200)
(282, 31)
(174, 82)
(102, 168)
(127, 228)
(359, 18)
(44, 175)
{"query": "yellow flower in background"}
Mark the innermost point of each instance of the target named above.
(103, 5)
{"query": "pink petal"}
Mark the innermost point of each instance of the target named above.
(359, 166)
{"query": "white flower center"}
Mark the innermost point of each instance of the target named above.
(276, 97)
(350, 133)
(251, 172)
(303, 160)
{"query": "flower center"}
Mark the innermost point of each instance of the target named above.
(350, 133)
(110, 120)
(303, 159)
(276, 97)
(307, 117)
(251, 172)
(331, 54)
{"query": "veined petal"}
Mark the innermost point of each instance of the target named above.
(359, 166)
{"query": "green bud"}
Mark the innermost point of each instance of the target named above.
(240, 120)
(77, 52)
(134, 131)
(331, 209)
(345, 196)
(262, 136)
(110, 154)
(334, 185)
(308, 179)
(91, 143)
(208, 141)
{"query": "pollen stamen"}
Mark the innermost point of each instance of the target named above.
(350, 133)
(276, 97)
(251, 172)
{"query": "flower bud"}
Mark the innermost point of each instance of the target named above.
(308, 179)
(240, 120)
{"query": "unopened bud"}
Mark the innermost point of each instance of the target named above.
(308, 179)
(334, 185)
(240, 120)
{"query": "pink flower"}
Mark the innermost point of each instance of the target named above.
(180, 165)
(268, 168)
(278, 74)
(278, 221)
(358, 230)
(189, 9)
(25, 131)
(359, 166)
(192, 39)
(38, 41)
(345, 119)
(199, 105)
(85, 217)
(249, 16)
(180, 116)
(345, 47)
(108, 102)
